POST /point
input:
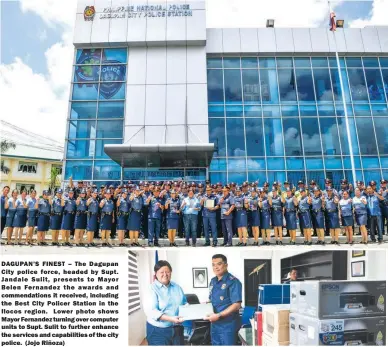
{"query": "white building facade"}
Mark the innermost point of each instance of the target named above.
(156, 95)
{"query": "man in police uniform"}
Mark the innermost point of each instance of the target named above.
(226, 296)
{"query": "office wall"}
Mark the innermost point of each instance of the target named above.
(375, 265)
(183, 262)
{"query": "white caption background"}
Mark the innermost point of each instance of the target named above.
(54, 275)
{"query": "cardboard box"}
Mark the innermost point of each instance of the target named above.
(366, 331)
(270, 341)
(272, 294)
(339, 299)
(276, 322)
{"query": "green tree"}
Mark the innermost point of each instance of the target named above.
(53, 179)
(5, 146)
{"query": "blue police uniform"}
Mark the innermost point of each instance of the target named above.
(384, 209)
(107, 215)
(265, 214)
(154, 218)
(69, 214)
(360, 210)
(332, 213)
(11, 212)
(56, 214)
(210, 219)
(304, 213)
(317, 212)
(92, 222)
(43, 214)
(123, 213)
(255, 214)
(224, 293)
(144, 215)
(346, 208)
(134, 220)
(226, 220)
(376, 221)
(32, 213)
(277, 212)
(172, 215)
(290, 213)
(240, 217)
(20, 220)
(81, 215)
(3, 212)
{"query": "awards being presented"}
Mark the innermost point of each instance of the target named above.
(209, 203)
(196, 311)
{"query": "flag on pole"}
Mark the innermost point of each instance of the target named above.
(333, 25)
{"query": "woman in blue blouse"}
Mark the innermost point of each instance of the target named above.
(163, 323)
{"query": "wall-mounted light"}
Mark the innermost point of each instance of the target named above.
(340, 23)
(270, 23)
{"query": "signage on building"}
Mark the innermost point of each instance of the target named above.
(140, 11)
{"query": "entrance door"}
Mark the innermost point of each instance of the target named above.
(253, 280)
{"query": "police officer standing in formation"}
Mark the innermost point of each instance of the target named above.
(244, 209)
(226, 297)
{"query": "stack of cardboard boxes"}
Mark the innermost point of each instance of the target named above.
(338, 313)
(272, 318)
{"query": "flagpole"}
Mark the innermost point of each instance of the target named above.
(344, 103)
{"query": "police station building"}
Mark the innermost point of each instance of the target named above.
(156, 95)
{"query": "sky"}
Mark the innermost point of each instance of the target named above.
(36, 51)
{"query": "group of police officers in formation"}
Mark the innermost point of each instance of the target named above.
(156, 209)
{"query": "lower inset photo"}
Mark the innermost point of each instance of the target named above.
(230, 297)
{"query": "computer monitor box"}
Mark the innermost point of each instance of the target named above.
(358, 337)
(356, 300)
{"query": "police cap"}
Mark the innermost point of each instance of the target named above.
(312, 183)
(108, 191)
(360, 183)
(372, 183)
(344, 181)
(200, 185)
(83, 191)
(219, 184)
(193, 184)
(45, 192)
(266, 184)
(327, 180)
(286, 182)
(60, 191)
(300, 182)
(383, 181)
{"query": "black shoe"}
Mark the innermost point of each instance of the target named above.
(174, 244)
(309, 243)
(332, 242)
(187, 243)
(122, 245)
(280, 243)
(156, 244)
(244, 244)
(224, 244)
(323, 243)
(239, 244)
(373, 241)
(69, 244)
(277, 243)
(214, 245)
(292, 243)
(77, 245)
(263, 244)
(207, 244)
(255, 243)
(305, 242)
(267, 243)
(318, 242)
(93, 244)
(193, 245)
(150, 244)
(43, 243)
(228, 245)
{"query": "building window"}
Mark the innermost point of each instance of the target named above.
(25, 186)
(27, 167)
(133, 284)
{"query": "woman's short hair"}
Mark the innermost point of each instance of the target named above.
(160, 264)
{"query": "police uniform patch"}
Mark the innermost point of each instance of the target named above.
(223, 286)
(221, 298)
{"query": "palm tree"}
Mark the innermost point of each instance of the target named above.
(5, 146)
(53, 179)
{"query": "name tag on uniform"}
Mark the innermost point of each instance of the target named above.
(223, 286)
